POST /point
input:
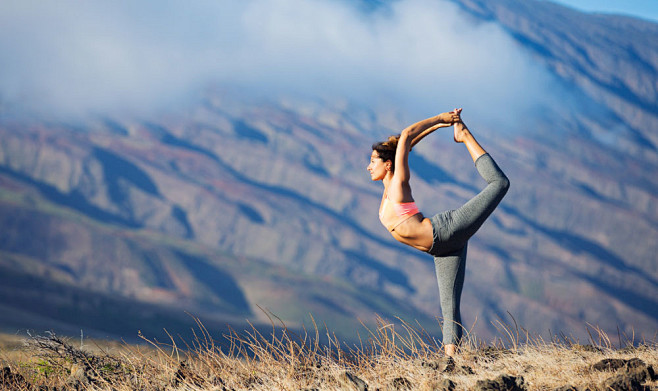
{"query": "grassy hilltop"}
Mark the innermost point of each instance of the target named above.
(389, 357)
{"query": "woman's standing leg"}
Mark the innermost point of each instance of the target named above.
(452, 230)
(461, 225)
(450, 272)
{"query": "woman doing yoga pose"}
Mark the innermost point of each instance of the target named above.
(446, 234)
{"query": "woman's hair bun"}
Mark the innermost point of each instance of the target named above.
(391, 142)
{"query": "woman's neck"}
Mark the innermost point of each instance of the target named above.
(387, 180)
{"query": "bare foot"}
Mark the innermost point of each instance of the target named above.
(450, 350)
(461, 132)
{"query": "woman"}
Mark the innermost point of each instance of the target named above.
(445, 235)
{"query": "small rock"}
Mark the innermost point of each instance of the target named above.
(78, 376)
(622, 383)
(443, 364)
(445, 385)
(513, 383)
(465, 370)
(635, 363)
(630, 373)
(501, 383)
(609, 364)
(639, 371)
(401, 383)
(351, 381)
(487, 385)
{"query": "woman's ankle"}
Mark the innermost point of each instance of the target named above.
(450, 350)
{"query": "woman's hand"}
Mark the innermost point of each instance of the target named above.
(421, 129)
(451, 117)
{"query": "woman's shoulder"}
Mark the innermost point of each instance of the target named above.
(398, 191)
(400, 180)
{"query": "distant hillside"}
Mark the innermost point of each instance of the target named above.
(242, 203)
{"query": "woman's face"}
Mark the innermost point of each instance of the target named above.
(377, 167)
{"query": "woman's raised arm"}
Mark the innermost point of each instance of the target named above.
(428, 131)
(402, 172)
(422, 128)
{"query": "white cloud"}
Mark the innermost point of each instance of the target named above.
(70, 57)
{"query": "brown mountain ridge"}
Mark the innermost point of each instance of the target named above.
(241, 203)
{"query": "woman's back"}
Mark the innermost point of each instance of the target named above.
(405, 222)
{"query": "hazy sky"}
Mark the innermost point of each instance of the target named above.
(70, 57)
(646, 9)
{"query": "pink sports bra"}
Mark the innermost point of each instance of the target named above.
(399, 213)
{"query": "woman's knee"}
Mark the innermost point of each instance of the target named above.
(504, 182)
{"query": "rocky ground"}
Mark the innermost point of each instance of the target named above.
(406, 359)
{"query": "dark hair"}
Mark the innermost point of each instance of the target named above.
(386, 149)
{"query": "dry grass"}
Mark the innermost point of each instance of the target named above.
(392, 355)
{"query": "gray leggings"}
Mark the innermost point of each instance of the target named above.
(452, 229)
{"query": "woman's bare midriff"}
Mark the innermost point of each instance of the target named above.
(416, 232)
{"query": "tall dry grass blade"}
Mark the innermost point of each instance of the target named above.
(516, 329)
(603, 339)
(505, 331)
